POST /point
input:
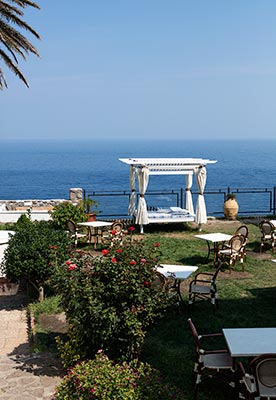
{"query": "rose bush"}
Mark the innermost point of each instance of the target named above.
(102, 379)
(110, 300)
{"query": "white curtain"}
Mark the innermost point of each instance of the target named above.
(189, 200)
(201, 214)
(131, 206)
(143, 179)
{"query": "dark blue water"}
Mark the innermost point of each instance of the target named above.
(47, 170)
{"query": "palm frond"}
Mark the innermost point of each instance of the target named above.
(11, 65)
(3, 81)
(11, 12)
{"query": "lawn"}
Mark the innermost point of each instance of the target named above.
(246, 299)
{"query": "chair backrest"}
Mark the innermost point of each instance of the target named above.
(159, 280)
(71, 226)
(237, 242)
(263, 369)
(242, 230)
(195, 334)
(266, 227)
(118, 226)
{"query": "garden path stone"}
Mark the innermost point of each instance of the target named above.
(23, 375)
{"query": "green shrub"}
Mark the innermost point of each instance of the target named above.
(110, 300)
(102, 379)
(29, 253)
(66, 210)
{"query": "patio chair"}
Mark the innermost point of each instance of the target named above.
(168, 284)
(74, 232)
(242, 230)
(234, 251)
(260, 381)
(268, 234)
(210, 363)
(107, 235)
(204, 287)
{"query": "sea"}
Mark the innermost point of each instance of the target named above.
(48, 169)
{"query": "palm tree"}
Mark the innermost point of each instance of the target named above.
(12, 42)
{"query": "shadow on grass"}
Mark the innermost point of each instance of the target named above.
(169, 345)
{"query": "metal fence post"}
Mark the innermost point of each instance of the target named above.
(274, 200)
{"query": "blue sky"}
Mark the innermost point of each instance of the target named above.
(154, 69)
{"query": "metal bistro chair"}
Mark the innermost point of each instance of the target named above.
(260, 381)
(242, 230)
(234, 251)
(204, 287)
(168, 284)
(211, 363)
(74, 233)
(268, 234)
(114, 234)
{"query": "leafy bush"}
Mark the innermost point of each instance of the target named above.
(66, 210)
(29, 252)
(110, 300)
(102, 379)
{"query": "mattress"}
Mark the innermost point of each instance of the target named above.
(170, 214)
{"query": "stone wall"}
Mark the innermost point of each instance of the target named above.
(75, 196)
(24, 205)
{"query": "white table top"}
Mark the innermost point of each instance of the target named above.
(5, 236)
(273, 221)
(95, 224)
(178, 271)
(215, 237)
(250, 342)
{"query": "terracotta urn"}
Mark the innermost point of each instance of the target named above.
(231, 207)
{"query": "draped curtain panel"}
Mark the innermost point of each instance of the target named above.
(142, 213)
(189, 200)
(132, 205)
(201, 214)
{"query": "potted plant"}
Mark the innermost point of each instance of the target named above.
(231, 206)
(89, 206)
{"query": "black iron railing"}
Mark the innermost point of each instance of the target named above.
(252, 201)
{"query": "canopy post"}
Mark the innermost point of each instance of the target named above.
(141, 228)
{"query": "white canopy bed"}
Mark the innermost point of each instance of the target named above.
(142, 168)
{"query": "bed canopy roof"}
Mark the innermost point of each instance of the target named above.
(143, 167)
(168, 166)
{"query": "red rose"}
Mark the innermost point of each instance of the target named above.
(78, 251)
(114, 232)
(113, 259)
(68, 262)
(131, 228)
(146, 283)
(72, 267)
(118, 251)
(133, 262)
(105, 252)
(156, 244)
(143, 260)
